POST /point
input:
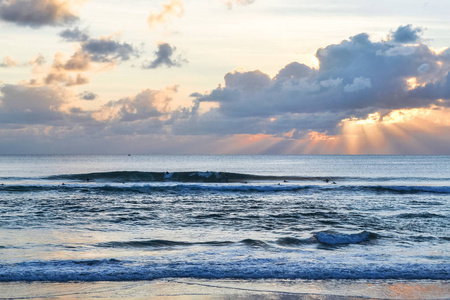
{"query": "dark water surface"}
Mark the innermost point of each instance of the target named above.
(101, 218)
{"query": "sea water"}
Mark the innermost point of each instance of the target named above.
(138, 217)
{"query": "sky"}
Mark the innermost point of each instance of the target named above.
(224, 77)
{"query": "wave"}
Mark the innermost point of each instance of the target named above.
(248, 268)
(324, 237)
(336, 238)
(222, 187)
(157, 244)
(423, 215)
(137, 176)
(406, 189)
(214, 176)
(171, 244)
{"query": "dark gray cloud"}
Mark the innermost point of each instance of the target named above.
(103, 50)
(433, 90)
(106, 50)
(91, 55)
(356, 77)
(294, 70)
(406, 34)
(86, 95)
(164, 56)
(37, 13)
(74, 35)
(195, 95)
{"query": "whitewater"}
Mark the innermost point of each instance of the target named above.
(145, 217)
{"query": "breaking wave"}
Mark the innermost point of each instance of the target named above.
(209, 176)
(336, 238)
(137, 176)
(325, 237)
(232, 186)
(252, 268)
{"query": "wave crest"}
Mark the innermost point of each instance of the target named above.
(336, 238)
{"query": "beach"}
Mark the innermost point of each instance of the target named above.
(187, 288)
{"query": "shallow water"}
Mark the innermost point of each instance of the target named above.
(101, 218)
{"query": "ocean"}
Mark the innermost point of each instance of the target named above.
(145, 217)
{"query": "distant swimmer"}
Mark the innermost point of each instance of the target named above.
(285, 181)
(167, 172)
(326, 180)
(87, 179)
(334, 182)
(62, 183)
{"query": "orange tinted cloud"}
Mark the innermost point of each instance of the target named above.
(175, 8)
(8, 62)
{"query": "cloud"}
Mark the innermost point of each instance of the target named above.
(38, 60)
(30, 105)
(86, 95)
(148, 104)
(108, 50)
(74, 35)
(164, 56)
(103, 49)
(79, 61)
(91, 55)
(38, 13)
(355, 78)
(67, 79)
(406, 34)
(239, 2)
(51, 110)
(365, 96)
(358, 84)
(8, 62)
(175, 8)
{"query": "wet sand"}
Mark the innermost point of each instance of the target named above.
(187, 288)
